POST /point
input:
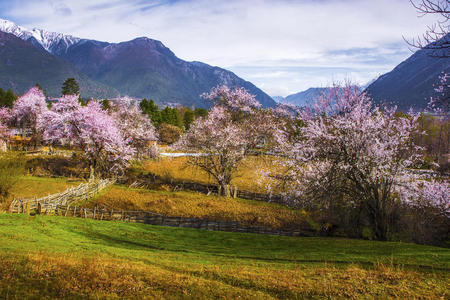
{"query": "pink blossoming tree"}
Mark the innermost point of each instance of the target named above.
(225, 136)
(440, 103)
(28, 111)
(347, 148)
(136, 128)
(91, 129)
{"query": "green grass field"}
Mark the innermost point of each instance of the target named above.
(48, 257)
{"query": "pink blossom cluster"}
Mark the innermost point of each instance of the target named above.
(232, 128)
(135, 127)
(440, 103)
(91, 129)
(349, 144)
(234, 99)
(5, 115)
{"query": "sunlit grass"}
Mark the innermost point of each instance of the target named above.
(248, 176)
(31, 186)
(51, 257)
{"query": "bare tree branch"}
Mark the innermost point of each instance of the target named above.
(436, 38)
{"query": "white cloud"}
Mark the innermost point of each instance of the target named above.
(245, 35)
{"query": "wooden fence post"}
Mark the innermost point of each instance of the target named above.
(28, 207)
(235, 192)
(67, 210)
(75, 211)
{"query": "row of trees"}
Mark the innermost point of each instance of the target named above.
(108, 139)
(345, 158)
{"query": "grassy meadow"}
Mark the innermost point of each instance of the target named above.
(73, 258)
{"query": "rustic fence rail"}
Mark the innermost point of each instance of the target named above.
(83, 191)
(152, 218)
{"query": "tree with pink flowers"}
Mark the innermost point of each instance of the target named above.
(92, 130)
(27, 112)
(136, 128)
(440, 103)
(4, 130)
(349, 149)
(226, 135)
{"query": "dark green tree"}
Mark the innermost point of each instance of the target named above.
(106, 105)
(189, 117)
(200, 112)
(70, 87)
(152, 110)
(172, 116)
(7, 98)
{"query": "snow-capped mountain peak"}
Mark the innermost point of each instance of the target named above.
(48, 40)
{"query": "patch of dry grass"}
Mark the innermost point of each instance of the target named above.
(190, 204)
(30, 186)
(248, 177)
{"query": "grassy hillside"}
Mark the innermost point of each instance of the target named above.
(196, 205)
(248, 177)
(66, 257)
(31, 186)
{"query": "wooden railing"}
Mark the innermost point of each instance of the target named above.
(82, 192)
(147, 217)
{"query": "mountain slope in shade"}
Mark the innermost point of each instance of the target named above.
(22, 65)
(145, 68)
(139, 68)
(411, 83)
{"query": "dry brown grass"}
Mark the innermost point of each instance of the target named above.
(30, 186)
(189, 204)
(248, 177)
(105, 277)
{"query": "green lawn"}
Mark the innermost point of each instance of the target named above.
(67, 257)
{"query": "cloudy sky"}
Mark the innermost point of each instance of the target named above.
(282, 46)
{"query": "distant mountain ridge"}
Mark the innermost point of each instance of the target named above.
(22, 65)
(142, 68)
(412, 82)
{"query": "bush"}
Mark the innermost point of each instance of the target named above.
(11, 168)
(169, 134)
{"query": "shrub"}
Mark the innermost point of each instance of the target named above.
(169, 134)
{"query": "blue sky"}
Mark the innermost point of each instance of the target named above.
(281, 46)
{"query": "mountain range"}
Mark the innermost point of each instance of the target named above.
(412, 82)
(302, 98)
(141, 68)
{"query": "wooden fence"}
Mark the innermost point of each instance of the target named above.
(151, 218)
(82, 192)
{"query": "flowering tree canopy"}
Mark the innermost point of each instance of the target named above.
(90, 128)
(136, 128)
(225, 136)
(28, 111)
(349, 148)
(5, 115)
(441, 102)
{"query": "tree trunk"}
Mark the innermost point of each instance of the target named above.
(91, 173)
